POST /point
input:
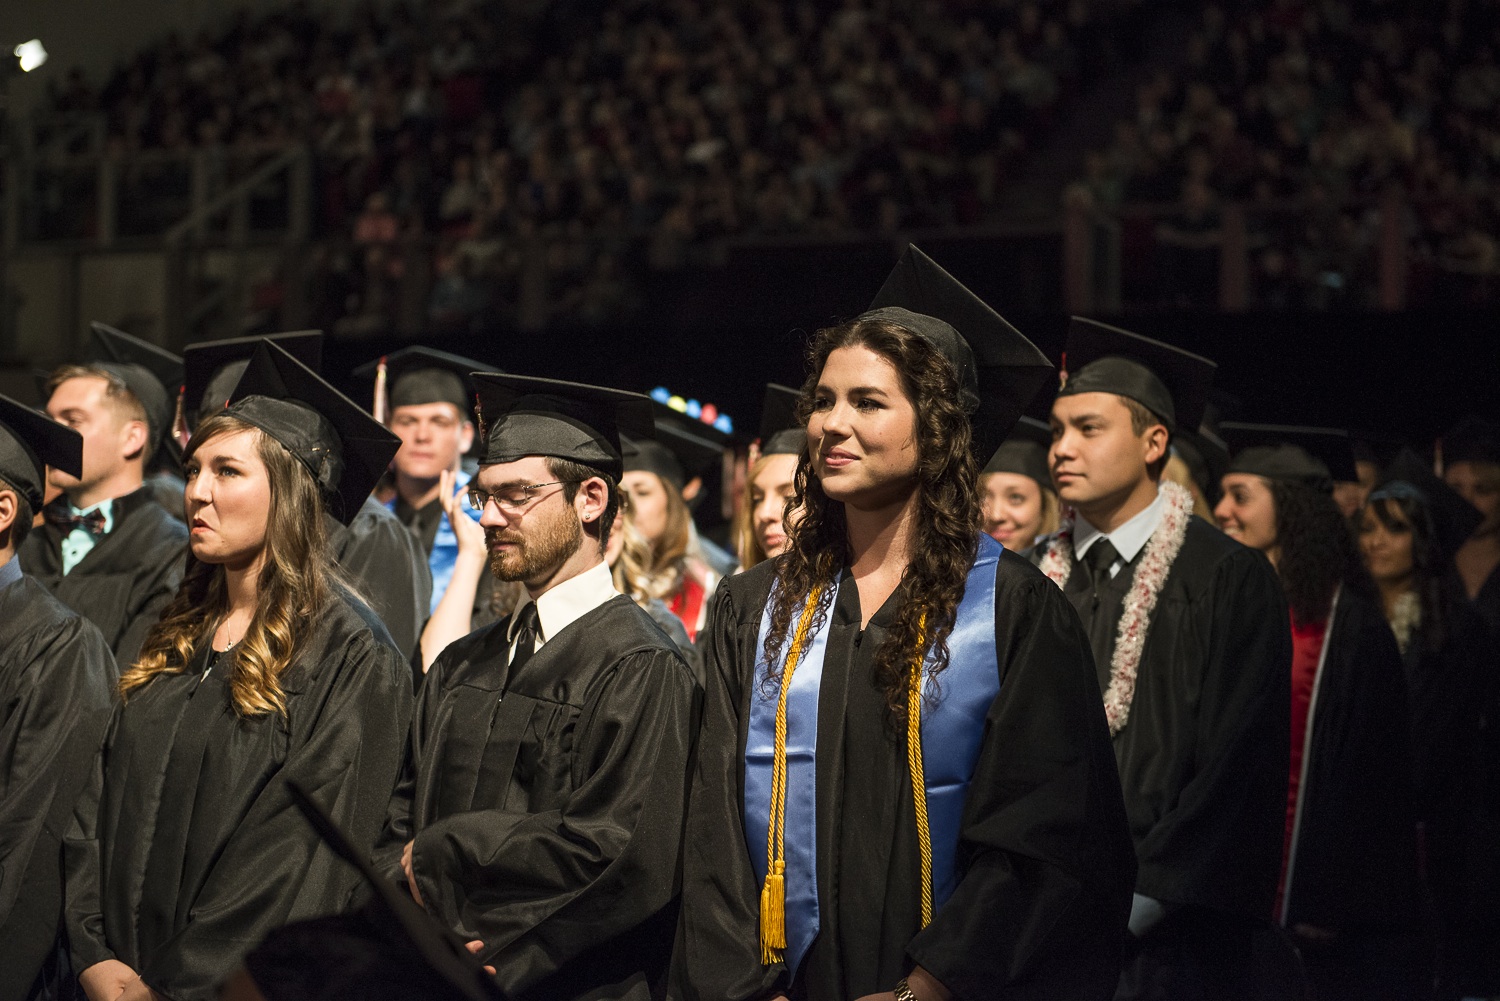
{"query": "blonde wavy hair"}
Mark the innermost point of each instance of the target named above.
(661, 571)
(297, 582)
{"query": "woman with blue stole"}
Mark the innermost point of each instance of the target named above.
(892, 641)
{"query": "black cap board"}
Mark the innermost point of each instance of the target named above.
(213, 368)
(987, 352)
(1171, 383)
(1025, 453)
(153, 374)
(1472, 439)
(342, 446)
(780, 431)
(523, 415)
(420, 958)
(684, 448)
(31, 441)
(419, 375)
(1315, 456)
(1453, 518)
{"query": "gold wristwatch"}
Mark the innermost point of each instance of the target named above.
(903, 991)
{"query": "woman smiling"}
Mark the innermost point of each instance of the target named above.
(899, 709)
(263, 668)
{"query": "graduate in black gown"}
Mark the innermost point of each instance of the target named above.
(108, 550)
(374, 552)
(805, 874)
(57, 680)
(540, 811)
(1190, 640)
(1409, 528)
(187, 848)
(163, 469)
(1350, 893)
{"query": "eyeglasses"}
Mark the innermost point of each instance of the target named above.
(512, 499)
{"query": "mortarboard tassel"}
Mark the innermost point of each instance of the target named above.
(180, 430)
(380, 407)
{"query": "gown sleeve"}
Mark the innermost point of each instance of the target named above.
(388, 567)
(1040, 911)
(717, 954)
(399, 825)
(83, 871)
(1219, 845)
(540, 889)
(48, 740)
(273, 869)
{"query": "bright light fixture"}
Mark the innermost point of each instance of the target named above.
(31, 54)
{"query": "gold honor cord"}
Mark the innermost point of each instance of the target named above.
(773, 893)
(918, 779)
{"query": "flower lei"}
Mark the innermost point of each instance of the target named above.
(1135, 619)
(1406, 618)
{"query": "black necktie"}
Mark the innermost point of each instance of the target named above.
(1100, 557)
(526, 632)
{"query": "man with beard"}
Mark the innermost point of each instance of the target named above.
(541, 809)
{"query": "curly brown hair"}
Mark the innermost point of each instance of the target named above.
(947, 514)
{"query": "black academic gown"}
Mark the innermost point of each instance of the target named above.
(187, 850)
(388, 569)
(1046, 866)
(57, 682)
(547, 806)
(1353, 868)
(125, 580)
(1203, 757)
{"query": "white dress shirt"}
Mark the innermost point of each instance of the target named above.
(563, 604)
(1128, 540)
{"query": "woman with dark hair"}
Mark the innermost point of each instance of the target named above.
(905, 787)
(763, 519)
(1409, 529)
(264, 668)
(1349, 891)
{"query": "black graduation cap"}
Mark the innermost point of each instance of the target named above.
(1025, 452)
(780, 431)
(152, 373)
(985, 349)
(341, 445)
(30, 442)
(213, 368)
(1453, 518)
(684, 448)
(1317, 457)
(1171, 383)
(1472, 439)
(418, 375)
(411, 955)
(523, 415)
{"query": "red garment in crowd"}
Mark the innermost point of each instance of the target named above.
(1307, 651)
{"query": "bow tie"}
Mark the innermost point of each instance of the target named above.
(91, 522)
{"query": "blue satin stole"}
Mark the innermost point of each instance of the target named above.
(953, 724)
(444, 556)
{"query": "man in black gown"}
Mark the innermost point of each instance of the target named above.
(57, 681)
(1196, 687)
(541, 809)
(108, 550)
(374, 551)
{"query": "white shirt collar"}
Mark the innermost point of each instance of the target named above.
(563, 604)
(1129, 539)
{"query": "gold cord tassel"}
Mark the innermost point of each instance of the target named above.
(773, 892)
(380, 407)
(918, 776)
